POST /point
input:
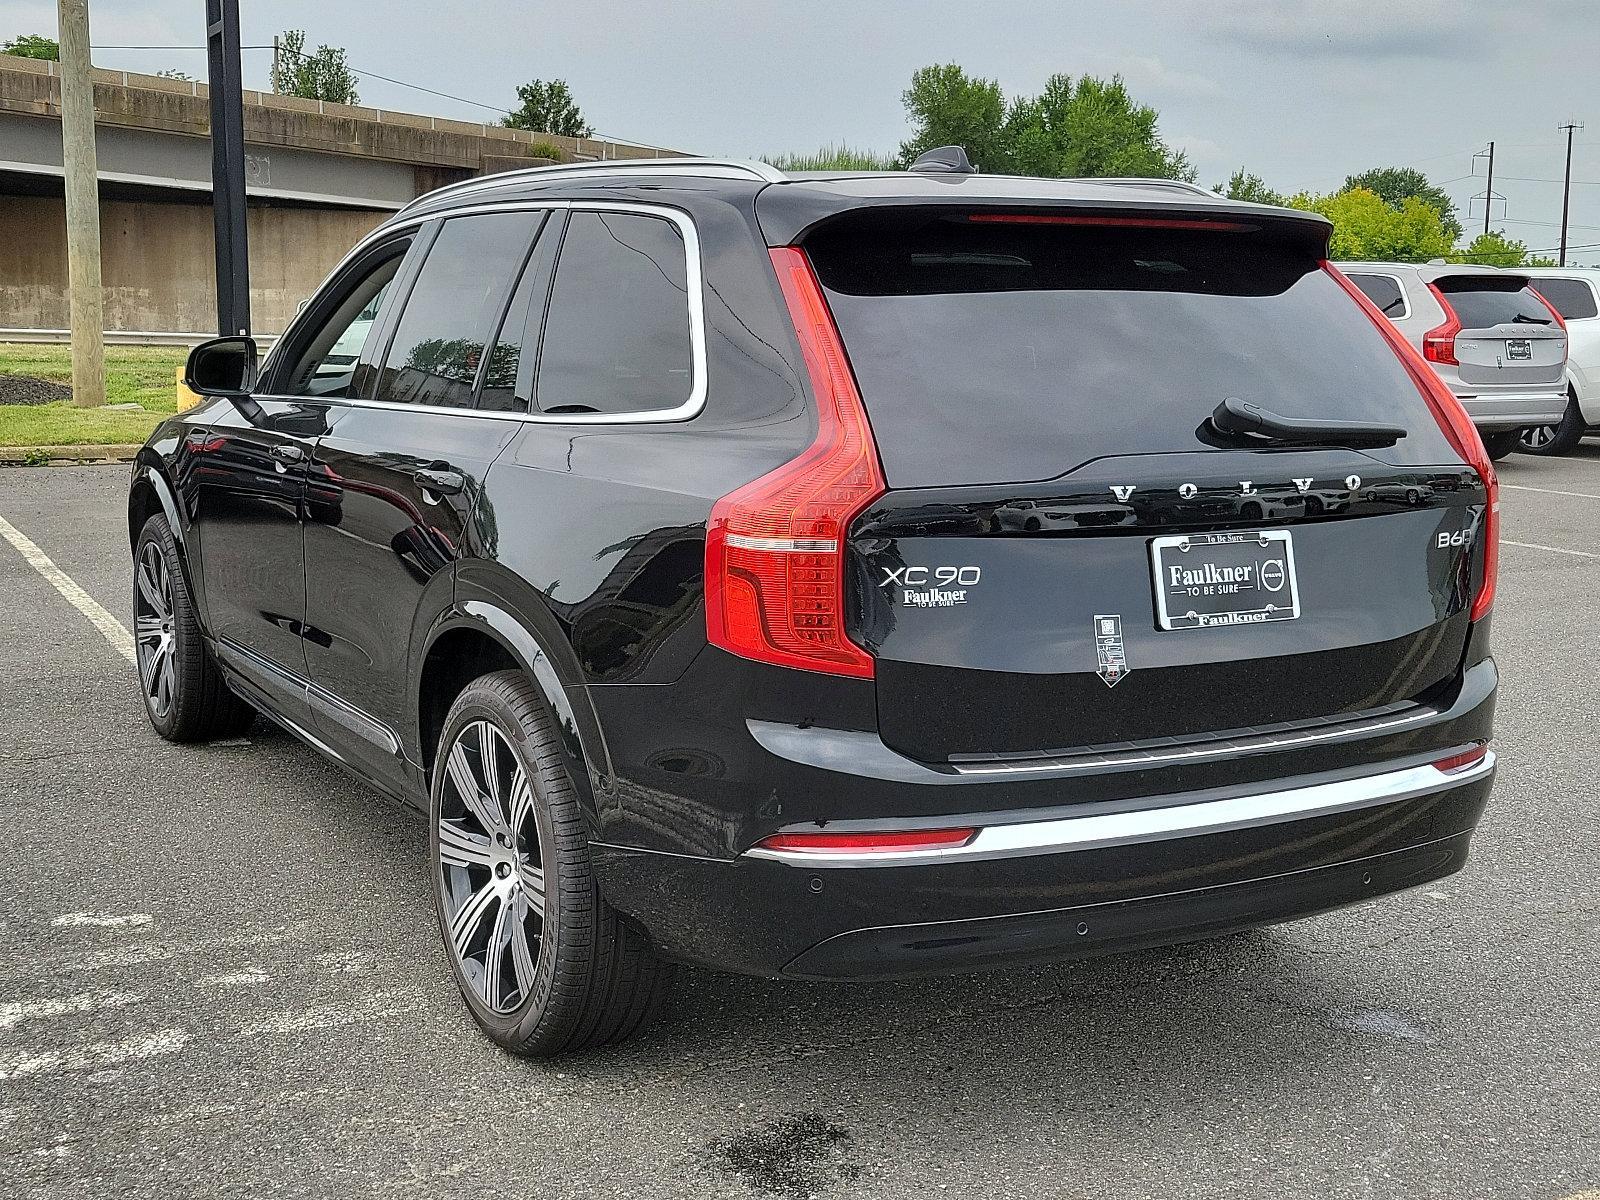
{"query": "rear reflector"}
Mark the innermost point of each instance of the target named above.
(1460, 762)
(775, 548)
(897, 842)
(1439, 343)
(1129, 222)
(1458, 430)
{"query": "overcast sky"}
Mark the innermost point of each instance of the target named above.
(1303, 93)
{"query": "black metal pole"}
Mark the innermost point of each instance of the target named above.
(227, 168)
(1488, 192)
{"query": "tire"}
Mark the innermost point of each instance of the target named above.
(544, 965)
(185, 695)
(1501, 444)
(1552, 440)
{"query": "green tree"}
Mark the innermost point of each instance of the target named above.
(548, 108)
(1083, 127)
(1395, 185)
(1494, 250)
(1244, 186)
(33, 45)
(1086, 128)
(834, 158)
(1364, 227)
(322, 75)
(946, 107)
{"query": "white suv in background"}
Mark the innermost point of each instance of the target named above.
(1574, 292)
(1495, 341)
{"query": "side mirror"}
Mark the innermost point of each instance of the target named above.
(223, 367)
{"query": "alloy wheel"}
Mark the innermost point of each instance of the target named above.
(1537, 437)
(491, 866)
(153, 629)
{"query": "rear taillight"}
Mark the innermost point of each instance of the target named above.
(775, 549)
(1458, 429)
(1439, 343)
(866, 843)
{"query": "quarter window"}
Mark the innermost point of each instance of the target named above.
(616, 338)
(327, 363)
(1572, 298)
(439, 342)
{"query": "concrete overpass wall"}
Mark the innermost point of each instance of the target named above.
(157, 262)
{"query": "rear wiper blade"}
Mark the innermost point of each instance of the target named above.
(1241, 418)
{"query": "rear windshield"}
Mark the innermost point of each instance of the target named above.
(1484, 301)
(992, 353)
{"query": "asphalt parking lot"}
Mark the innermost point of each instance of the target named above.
(219, 976)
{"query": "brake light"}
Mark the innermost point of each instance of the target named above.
(1131, 222)
(1439, 343)
(1458, 429)
(1460, 762)
(775, 548)
(896, 842)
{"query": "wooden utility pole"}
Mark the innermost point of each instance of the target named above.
(83, 206)
(1488, 192)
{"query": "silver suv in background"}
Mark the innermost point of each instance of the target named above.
(1498, 345)
(1574, 292)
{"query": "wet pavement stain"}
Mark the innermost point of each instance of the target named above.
(798, 1155)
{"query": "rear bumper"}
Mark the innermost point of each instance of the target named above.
(1514, 410)
(1065, 887)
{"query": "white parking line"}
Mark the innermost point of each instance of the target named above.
(1522, 487)
(115, 632)
(1552, 549)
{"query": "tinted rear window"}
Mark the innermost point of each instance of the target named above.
(1572, 297)
(1383, 291)
(996, 353)
(1484, 301)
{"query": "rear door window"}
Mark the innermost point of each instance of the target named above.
(1384, 291)
(617, 336)
(439, 341)
(1484, 301)
(996, 352)
(1572, 298)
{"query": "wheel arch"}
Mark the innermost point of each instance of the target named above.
(150, 493)
(479, 636)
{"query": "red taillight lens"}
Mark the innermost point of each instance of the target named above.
(1439, 343)
(775, 549)
(1460, 762)
(897, 842)
(1458, 429)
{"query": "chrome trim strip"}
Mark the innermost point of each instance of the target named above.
(694, 284)
(783, 544)
(1223, 748)
(1071, 834)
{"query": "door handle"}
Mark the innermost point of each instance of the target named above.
(440, 481)
(287, 452)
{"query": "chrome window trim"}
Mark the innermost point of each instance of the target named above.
(1177, 820)
(694, 282)
(1405, 296)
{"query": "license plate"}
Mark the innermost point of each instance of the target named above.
(1519, 350)
(1205, 580)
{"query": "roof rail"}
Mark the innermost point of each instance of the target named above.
(1177, 185)
(716, 168)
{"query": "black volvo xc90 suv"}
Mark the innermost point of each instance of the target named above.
(838, 576)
